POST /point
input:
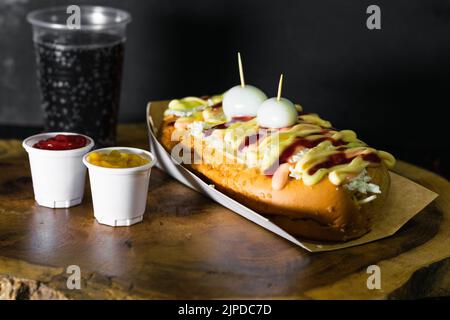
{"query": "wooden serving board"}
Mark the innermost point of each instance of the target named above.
(190, 247)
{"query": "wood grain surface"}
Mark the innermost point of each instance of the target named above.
(190, 247)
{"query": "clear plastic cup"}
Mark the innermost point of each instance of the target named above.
(119, 195)
(80, 70)
(58, 175)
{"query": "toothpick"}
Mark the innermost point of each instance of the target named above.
(280, 87)
(241, 71)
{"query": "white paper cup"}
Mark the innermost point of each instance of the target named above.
(119, 195)
(58, 175)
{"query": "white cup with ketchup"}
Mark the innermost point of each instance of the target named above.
(57, 168)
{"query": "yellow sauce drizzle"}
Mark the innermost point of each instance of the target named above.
(268, 149)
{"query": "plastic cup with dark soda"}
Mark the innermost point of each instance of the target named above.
(79, 68)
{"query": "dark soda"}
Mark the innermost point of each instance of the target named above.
(80, 77)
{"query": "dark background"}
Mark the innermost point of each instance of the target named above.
(391, 86)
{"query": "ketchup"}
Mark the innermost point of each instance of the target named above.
(217, 105)
(225, 125)
(62, 142)
(371, 157)
(233, 120)
(303, 142)
(340, 158)
(251, 139)
(333, 160)
(307, 143)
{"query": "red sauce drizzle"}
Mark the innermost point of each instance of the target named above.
(340, 158)
(334, 160)
(371, 157)
(289, 151)
(241, 119)
(225, 125)
(217, 105)
(252, 139)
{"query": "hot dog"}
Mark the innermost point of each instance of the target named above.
(311, 179)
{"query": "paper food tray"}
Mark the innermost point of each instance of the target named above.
(405, 200)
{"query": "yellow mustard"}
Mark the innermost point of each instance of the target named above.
(191, 103)
(116, 159)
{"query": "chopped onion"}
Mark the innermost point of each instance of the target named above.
(368, 199)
